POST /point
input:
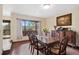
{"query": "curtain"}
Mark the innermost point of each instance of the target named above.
(38, 28)
(19, 29)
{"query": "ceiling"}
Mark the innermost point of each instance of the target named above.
(36, 9)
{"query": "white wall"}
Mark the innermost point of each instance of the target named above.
(51, 23)
(0, 29)
(75, 21)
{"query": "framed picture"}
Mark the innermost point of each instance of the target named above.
(64, 20)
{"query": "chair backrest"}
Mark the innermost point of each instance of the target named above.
(34, 39)
(63, 45)
(30, 39)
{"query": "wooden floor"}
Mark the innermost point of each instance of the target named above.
(23, 49)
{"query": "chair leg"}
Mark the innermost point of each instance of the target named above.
(45, 51)
(65, 53)
(33, 51)
(37, 52)
(29, 46)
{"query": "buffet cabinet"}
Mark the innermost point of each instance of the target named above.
(69, 33)
(72, 37)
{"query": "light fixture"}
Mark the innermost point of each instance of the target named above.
(46, 6)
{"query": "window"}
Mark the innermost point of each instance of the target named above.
(28, 26)
(6, 28)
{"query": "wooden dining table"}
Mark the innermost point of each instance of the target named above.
(47, 41)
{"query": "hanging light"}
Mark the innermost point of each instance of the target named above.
(46, 6)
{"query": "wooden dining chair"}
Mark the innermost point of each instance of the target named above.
(38, 45)
(61, 47)
(30, 41)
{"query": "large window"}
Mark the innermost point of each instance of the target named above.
(28, 26)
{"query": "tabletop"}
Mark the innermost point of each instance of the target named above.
(47, 39)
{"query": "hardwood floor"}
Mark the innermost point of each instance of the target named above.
(72, 51)
(22, 48)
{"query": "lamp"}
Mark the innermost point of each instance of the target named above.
(46, 6)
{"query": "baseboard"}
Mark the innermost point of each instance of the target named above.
(6, 52)
(20, 41)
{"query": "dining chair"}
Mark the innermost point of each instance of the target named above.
(61, 47)
(30, 42)
(38, 45)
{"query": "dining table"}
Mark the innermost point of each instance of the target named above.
(47, 41)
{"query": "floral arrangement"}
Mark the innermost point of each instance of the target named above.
(45, 30)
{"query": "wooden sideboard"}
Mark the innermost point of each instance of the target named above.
(72, 37)
(69, 33)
